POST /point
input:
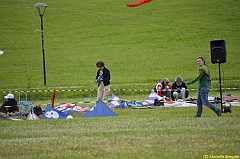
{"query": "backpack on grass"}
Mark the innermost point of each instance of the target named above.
(38, 110)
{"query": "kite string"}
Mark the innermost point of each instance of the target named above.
(24, 61)
(58, 43)
(144, 16)
(93, 83)
(90, 13)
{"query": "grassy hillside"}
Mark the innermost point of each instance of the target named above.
(139, 45)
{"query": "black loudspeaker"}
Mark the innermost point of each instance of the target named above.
(218, 51)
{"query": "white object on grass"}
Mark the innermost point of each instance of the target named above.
(69, 117)
(1, 52)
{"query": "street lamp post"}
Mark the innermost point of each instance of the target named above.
(41, 13)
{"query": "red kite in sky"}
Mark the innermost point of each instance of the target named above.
(138, 3)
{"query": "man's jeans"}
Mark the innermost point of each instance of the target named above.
(203, 100)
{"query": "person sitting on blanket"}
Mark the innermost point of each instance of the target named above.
(179, 89)
(9, 107)
(162, 89)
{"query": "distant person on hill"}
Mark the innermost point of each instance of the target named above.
(103, 89)
(9, 107)
(179, 89)
(204, 85)
(163, 89)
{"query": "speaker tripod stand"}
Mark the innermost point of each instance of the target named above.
(227, 107)
(218, 55)
(220, 85)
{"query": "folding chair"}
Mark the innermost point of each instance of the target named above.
(24, 106)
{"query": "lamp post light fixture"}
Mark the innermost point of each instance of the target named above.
(41, 13)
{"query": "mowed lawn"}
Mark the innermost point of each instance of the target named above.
(140, 46)
(134, 133)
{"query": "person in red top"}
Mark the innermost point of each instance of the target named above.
(163, 89)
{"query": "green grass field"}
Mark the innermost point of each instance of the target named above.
(146, 133)
(140, 46)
